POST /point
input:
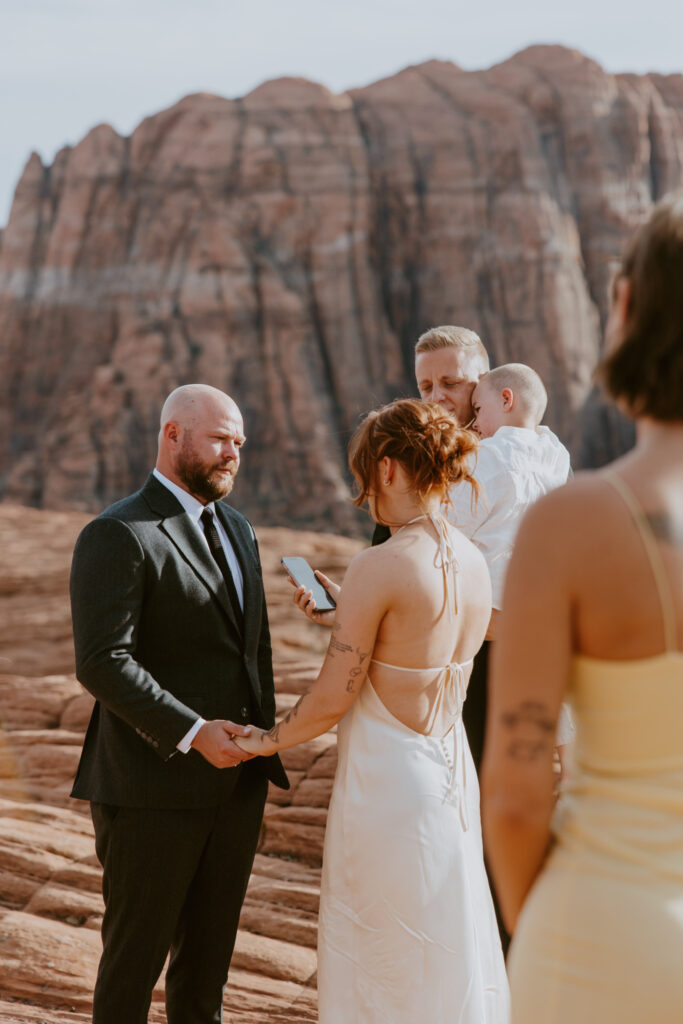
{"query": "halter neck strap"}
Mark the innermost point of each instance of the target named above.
(447, 559)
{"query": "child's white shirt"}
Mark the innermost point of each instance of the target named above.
(514, 468)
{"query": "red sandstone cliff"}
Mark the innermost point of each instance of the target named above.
(290, 246)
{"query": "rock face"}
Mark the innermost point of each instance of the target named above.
(290, 246)
(50, 902)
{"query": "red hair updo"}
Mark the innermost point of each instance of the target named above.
(433, 450)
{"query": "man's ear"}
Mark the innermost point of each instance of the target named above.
(171, 432)
(508, 397)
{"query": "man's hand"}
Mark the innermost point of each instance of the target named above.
(303, 599)
(214, 742)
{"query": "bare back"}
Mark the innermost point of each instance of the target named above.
(434, 618)
(628, 580)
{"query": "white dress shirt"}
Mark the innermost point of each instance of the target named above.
(194, 509)
(514, 468)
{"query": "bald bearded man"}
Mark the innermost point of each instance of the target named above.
(171, 638)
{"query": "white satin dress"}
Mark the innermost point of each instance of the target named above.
(407, 930)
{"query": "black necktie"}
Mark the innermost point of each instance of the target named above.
(216, 548)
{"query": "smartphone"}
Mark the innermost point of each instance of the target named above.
(302, 574)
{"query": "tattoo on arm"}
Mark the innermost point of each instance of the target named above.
(531, 731)
(274, 733)
(357, 672)
(337, 646)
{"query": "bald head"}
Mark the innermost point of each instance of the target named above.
(527, 386)
(200, 437)
(190, 401)
(512, 395)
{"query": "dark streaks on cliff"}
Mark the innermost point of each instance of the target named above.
(233, 178)
(379, 246)
(325, 354)
(293, 244)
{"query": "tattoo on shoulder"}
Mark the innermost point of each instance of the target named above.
(666, 528)
(531, 730)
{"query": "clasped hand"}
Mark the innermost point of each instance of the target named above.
(215, 741)
(256, 743)
(225, 744)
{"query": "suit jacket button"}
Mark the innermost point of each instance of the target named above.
(244, 713)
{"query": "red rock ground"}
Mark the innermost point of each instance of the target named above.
(50, 902)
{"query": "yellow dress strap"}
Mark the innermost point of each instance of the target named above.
(654, 556)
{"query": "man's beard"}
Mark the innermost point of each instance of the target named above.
(203, 479)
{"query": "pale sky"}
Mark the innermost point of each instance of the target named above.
(67, 65)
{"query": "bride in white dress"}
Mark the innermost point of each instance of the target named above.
(407, 929)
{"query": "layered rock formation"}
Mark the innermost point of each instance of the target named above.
(290, 246)
(50, 902)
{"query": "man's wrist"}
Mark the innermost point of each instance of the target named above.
(186, 742)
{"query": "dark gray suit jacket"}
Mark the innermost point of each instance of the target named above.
(157, 644)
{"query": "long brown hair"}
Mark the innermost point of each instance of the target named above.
(646, 370)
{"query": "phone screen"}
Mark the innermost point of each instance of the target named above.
(302, 574)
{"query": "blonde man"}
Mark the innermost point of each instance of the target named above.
(448, 364)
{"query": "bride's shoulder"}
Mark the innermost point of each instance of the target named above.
(381, 558)
(372, 577)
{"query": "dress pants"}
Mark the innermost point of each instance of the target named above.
(173, 880)
(474, 719)
(474, 708)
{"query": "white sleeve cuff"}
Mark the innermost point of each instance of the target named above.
(186, 742)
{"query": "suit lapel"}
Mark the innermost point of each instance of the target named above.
(176, 524)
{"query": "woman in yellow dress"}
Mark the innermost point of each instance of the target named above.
(593, 890)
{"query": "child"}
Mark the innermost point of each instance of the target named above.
(518, 461)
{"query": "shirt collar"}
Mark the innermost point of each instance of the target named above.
(192, 505)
